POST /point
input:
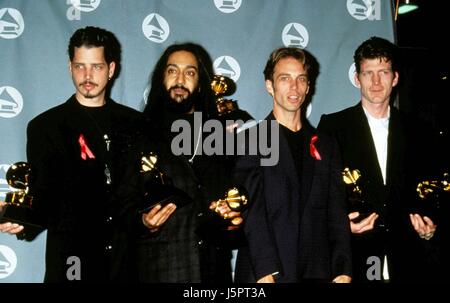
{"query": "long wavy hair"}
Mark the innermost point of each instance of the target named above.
(154, 108)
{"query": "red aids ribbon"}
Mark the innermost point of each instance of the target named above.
(85, 151)
(313, 150)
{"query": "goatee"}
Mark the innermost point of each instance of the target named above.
(182, 107)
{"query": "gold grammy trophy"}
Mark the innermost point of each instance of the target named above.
(354, 192)
(19, 203)
(428, 188)
(158, 186)
(236, 199)
(224, 86)
(432, 193)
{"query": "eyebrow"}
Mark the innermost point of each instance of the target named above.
(84, 63)
(288, 74)
(176, 65)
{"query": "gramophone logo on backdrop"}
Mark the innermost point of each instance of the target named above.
(11, 23)
(227, 66)
(78, 6)
(364, 9)
(4, 187)
(85, 5)
(227, 6)
(351, 74)
(11, 102)
(8, 261)
(155, 28)
(296, 35)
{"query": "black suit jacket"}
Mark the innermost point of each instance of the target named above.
(71, 198)
(182, 251)
(408, 161)
(298, 230)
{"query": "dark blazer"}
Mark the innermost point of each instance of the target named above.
(71, 198)
(298, 230)
(178, 253)
(407, 164)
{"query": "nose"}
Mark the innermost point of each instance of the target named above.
(180, 78)
(88, 76)
(88, 73)
(294, 84)
(376, 78)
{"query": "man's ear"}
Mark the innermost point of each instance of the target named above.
(112, 68)
(269, 87)
(358, 84)
(395, 81)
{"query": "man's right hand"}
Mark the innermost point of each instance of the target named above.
(363, 225)
(8, 227)
(223, 210)
(157, 216)
(266, 279)
(11, 228)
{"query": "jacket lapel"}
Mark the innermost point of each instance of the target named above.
(396, 145)
(308, 166)
(287, 166)
(366, 147)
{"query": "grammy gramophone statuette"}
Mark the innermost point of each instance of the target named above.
(18, 208)
(432, 193)
(158, 186)
(236, 200)
(429, 188)
(354, 193)
(223, 86)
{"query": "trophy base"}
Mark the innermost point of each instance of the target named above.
(164, 195)
(17, 214)
(431, 209)
(213, 229)
(362, 216)
(22, 216)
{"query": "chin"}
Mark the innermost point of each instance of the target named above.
(91, 95)
(178, 99)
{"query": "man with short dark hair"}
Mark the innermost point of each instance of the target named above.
(74, 150)
(389, 233)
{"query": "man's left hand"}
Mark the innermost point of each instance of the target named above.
(223, 210)
(342, 279)
(424, 226)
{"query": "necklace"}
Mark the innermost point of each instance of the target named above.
(107, 140)
(191, 160)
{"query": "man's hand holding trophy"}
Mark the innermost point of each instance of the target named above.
(230, 207)
(161, 197)
(431, 193)
(354, 193)
(16, 211)
(361, 220)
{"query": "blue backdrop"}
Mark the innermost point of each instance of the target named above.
(239, 34)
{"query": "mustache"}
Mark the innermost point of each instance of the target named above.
(88, 82)
(179, 86)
